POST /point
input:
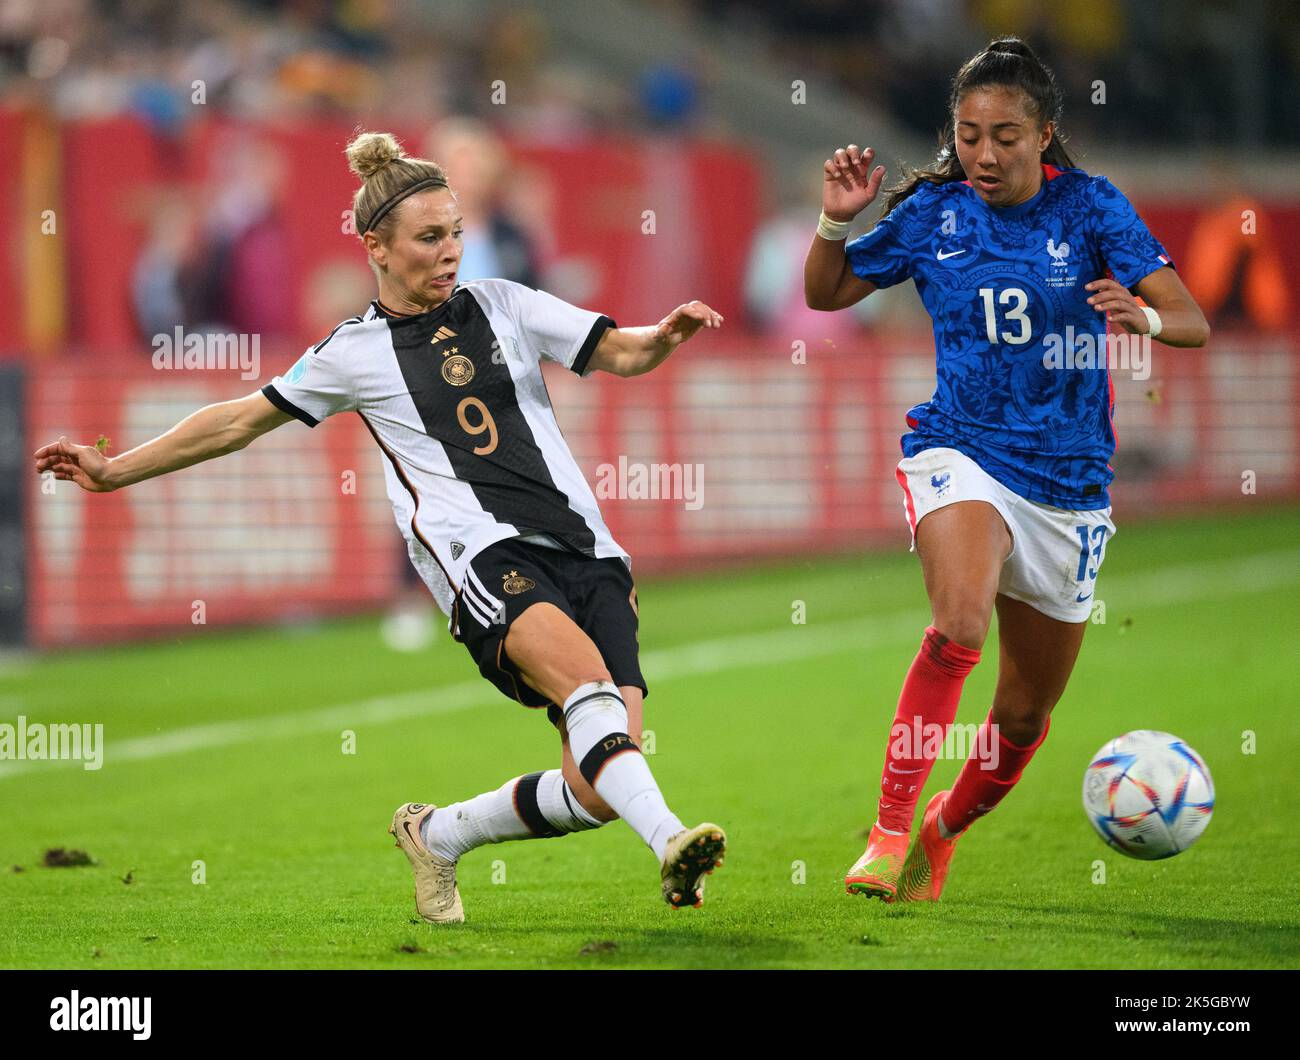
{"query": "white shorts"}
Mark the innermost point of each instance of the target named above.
(1055, 552)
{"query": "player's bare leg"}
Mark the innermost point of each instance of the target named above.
(962, 548)
(1036, 655)
(561, 662)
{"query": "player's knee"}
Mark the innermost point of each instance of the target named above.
(586, 795)
(963, 622)
(1023, 732)
(1022, 717)
(576, 678)
(598, 808)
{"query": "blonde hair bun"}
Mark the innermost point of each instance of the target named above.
(370, 152)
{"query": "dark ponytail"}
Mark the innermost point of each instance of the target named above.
(1007, 62)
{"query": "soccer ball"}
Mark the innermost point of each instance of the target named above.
(1148, 794)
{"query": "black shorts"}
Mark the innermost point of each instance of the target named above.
(508, 577)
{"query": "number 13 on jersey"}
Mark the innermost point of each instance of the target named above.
(1014, 300)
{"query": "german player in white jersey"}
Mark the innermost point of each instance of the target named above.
(498, 519)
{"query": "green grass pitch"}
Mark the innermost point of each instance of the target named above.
(227, 749)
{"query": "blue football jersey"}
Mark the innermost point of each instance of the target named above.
(1004, 287)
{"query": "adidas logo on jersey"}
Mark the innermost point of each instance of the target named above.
(442, 335)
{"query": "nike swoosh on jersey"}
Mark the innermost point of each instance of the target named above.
(944, 257)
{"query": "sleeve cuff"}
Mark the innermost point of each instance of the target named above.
(286, 406)
(598, 329)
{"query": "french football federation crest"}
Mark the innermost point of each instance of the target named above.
(1060, 254)
(515, 583)
(941, 483)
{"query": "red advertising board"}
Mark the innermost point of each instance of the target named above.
(734, 453)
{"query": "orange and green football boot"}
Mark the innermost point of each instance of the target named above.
(926, 868)
(876, 873)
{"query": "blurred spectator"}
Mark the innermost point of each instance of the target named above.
(774, 297)
(217, 266)
(669, 96)
(496, 244)
(160, 282)
(337, 290)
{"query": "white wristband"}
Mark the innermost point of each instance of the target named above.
(1153, 321)
(833, 230)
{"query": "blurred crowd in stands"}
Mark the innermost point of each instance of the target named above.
(1178, 73)
(1182, 74)
(1218, 73)
(213, 257)
(265, 60)
(1208, 73)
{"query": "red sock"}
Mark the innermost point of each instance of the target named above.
(977, 789)
(930, 695)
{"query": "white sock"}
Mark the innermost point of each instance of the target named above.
(612, 764)
(560, 806)
(534, 806)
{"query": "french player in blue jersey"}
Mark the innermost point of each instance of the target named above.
(1022, 260)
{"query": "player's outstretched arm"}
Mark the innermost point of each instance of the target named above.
(214, 430)
(635, 351)
(849, 186)
(1181, 321)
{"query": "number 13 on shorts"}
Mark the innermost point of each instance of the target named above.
(1092, 545)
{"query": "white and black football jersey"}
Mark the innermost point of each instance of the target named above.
(456, 400)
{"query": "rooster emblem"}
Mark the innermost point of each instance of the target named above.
(1058, 252)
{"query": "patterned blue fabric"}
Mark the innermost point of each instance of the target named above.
(1005, 288)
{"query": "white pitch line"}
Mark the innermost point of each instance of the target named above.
(1163, 588)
